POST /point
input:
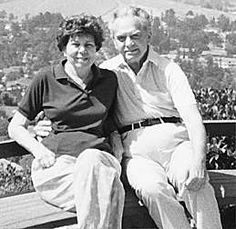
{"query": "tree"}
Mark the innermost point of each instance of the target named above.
(213, 22)
(8, 99)
(3, 14)
(160, 38)
(156, 32)
(196, 23)
(190, 34)
(233, 26)
(194, 71)
(230, 49)
(197, 74)
(195, 41)
(201, 21)
(231, 38)
(209, 75)
(215, 76)
(169, 18)
(1, 75)
(3, 31)
(3, 114)
(223, 23)
(14, 75)
(215, 39)
(230, 46)
(42, 56)
(190, 13)
(46, 20)
(15, 29)
(3, 129)
(11, 17)
(108, 49)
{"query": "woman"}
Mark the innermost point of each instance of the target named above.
(73, 167)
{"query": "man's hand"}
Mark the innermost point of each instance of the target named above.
(196, 176)
(42, 129)
(117, 146)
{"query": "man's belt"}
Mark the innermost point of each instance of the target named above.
(149, 122)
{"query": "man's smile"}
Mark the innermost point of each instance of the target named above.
(132, 52)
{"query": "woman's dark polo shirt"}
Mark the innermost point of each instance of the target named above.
(78, 115)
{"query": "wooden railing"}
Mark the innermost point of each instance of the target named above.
(28, 211)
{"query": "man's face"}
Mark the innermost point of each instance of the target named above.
(130, 39)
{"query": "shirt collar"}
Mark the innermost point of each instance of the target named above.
(121, 61)
(152, 57)
(59, 71)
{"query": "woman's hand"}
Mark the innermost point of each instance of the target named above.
(45, 158)
(17, 131)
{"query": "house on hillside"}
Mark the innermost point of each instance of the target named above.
(12, 73)
(12, 69)
(20, 84)
(220, 57)
(171, 55)
(210, 29)
(215, 52)
(225, 62)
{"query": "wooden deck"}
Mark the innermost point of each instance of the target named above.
(29, 211)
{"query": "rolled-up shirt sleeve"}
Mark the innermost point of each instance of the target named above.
(179, 88)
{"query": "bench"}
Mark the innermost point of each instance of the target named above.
(27, 210)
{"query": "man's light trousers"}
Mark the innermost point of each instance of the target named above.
(157, 158)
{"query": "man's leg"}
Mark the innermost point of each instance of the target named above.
(201, 204)
(85, 183)
(149, 180)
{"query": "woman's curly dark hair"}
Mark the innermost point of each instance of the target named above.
(79, 24)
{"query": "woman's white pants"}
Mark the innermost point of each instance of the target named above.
(89, 185)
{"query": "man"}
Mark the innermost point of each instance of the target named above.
(161, 129)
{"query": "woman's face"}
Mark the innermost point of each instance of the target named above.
(80, 51)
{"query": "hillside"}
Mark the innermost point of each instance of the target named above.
(157, 7)
(69, 7)
(101, 7)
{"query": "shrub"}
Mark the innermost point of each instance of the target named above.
(12, 181)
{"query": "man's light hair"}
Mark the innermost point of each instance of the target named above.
(143, 16)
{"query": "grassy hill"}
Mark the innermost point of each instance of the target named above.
(102, 7)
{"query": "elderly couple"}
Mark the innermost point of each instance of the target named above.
(137, 106)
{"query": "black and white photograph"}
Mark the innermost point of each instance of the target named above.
(118, 114)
